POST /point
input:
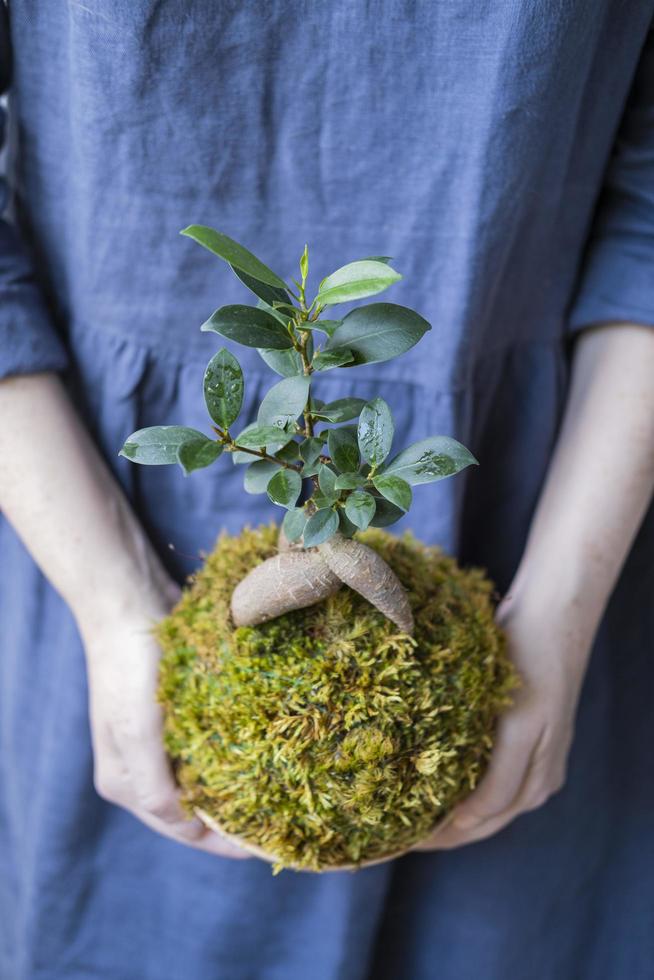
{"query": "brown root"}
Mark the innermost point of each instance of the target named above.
(367, 573)
(289, 580)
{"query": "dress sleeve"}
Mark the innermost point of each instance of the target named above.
(617, 279)
(29, 341)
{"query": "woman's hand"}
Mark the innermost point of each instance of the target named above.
(63, 501)
(592, 503)
(131, 767)
(549, 640)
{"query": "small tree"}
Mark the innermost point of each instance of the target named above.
(299, 442)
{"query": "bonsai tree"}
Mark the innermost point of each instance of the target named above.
(331, 479)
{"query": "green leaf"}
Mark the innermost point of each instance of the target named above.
(360, 508)
(429, 460)
(280, 307)
(290, 453)
(395, 489)
(378, 258)
(304, 263)
(236, 255)
(282, 439)
(257, 436)
(325, 360)
(284, 402)
(158, 444)
(197, 453)
(341, 410)
(310, 449)
(284, 488)
(250, 326)
(345, 525)
(378, 332)
(320, 527)
(294, 523)
(321, 501)
(268, 294)
(350, 481)
(386, 513)
(375, 431)
(326, 482)
(257, 476)
(343, 448)
(283, 318)
(273, 448)
(223, 388)
(356, 280)
(327, 326)
(288, 363)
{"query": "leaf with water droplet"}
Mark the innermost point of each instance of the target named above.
(284, 488)
(430, 459)
(157, 445)
(375, 431)
(223, 388)
(284, 402)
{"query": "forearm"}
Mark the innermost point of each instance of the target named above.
(62, 500)
(601, 476)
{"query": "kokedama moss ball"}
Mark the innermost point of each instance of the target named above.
(327, 737)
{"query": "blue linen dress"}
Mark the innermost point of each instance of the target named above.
(503, 153)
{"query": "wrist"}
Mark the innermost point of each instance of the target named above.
(561, 582)
(124, 580)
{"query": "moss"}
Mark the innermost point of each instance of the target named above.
(326, 736)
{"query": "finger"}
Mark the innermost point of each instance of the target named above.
(116, 782)
(534, 794)
(512, 756)
(541, 780)
(201, 839)
(498, 789)
(156, 802)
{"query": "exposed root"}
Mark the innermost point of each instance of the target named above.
(295, 578)
(289, 580)
(364, 570)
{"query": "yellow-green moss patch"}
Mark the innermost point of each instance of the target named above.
(326, 736)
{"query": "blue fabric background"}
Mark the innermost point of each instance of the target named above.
(503, 153)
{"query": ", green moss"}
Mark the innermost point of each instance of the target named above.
(325, 736)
